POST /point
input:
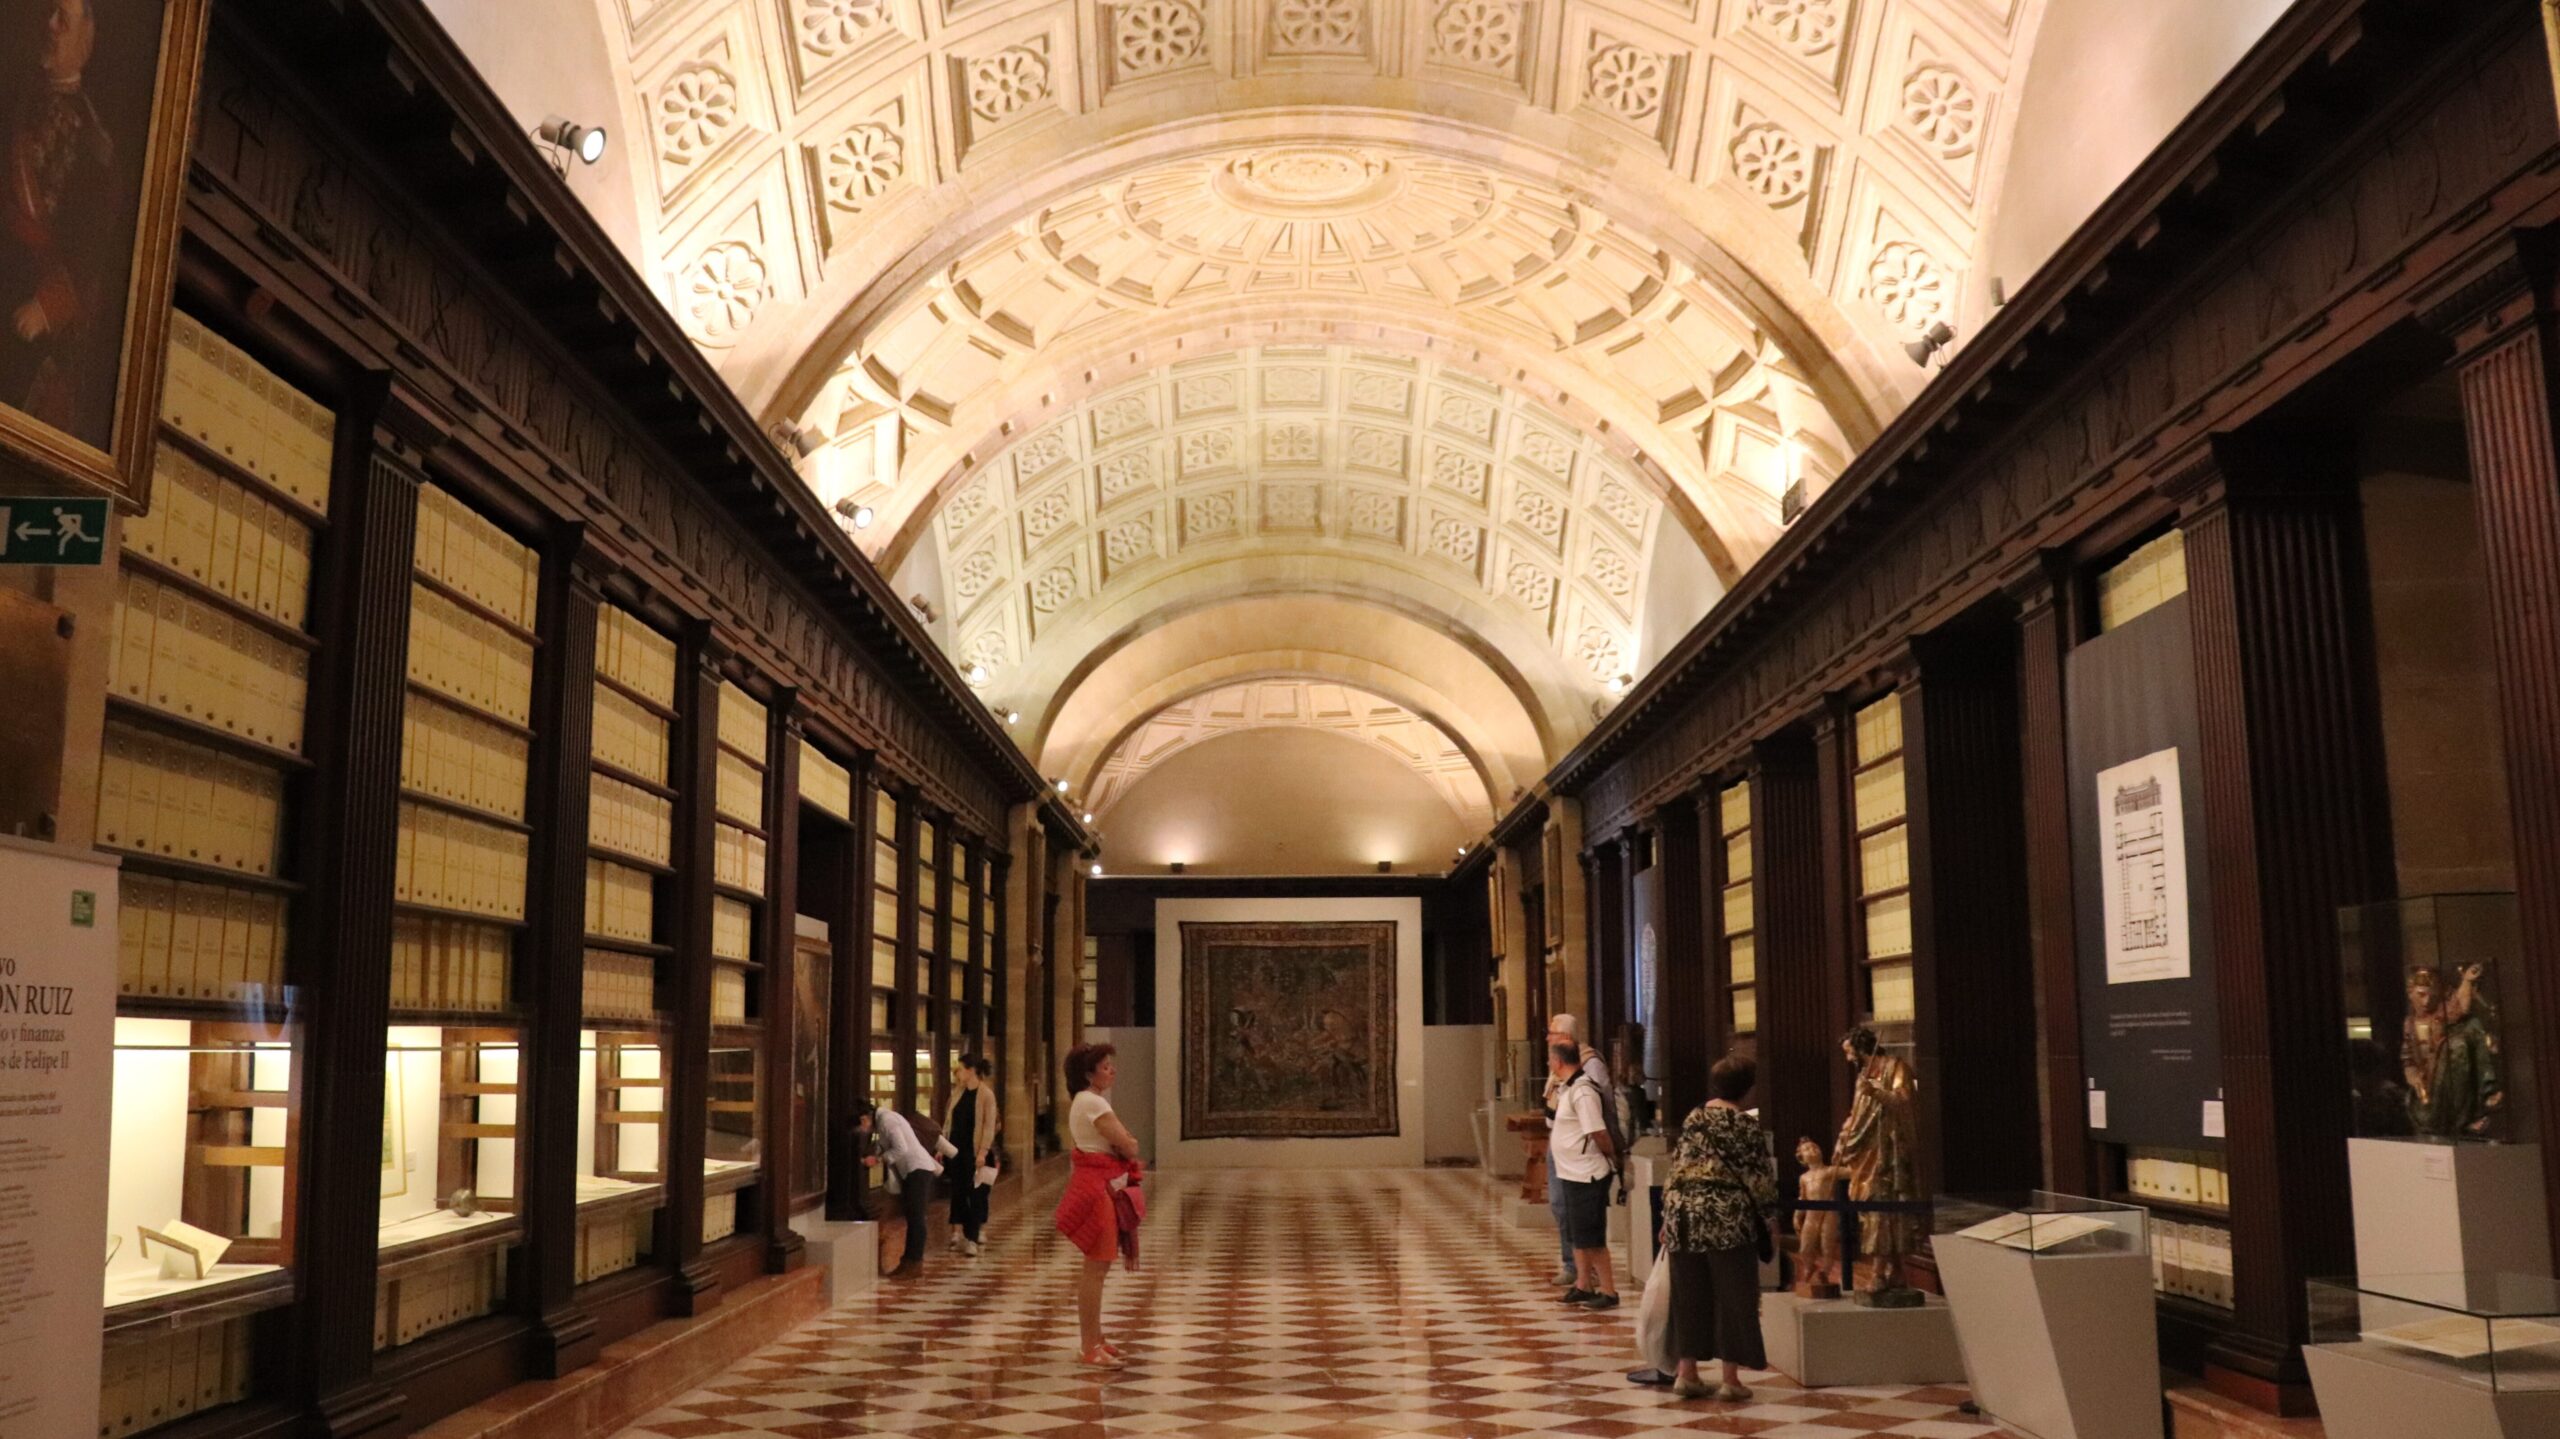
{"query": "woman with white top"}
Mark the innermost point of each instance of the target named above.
(1106, 1161)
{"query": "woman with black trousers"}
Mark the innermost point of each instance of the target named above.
(971, 1129)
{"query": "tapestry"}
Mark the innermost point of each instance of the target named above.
(1288, 1030)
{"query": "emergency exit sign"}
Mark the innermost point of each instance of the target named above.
(43, 530)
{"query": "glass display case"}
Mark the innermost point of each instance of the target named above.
(733, 1144)
(2436, 1029)
(449, 1178)
(199, 1223)
(2041, 1224)
(2496, 1331)
(622, 1082)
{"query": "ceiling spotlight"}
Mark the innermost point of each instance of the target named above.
(1620, 683)
(1013, 716)
(1062, 786)
(1937, 337)
(571, 138)
(1462, 851)
(1174, 868)
(923, 607)
(1088, 816)
(1386, 866)
(977, 674)
(1097, 869)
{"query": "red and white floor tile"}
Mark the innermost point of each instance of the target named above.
(1325, 1305)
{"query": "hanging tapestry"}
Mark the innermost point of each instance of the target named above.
(1288, 1030)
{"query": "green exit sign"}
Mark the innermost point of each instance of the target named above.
(42, 530)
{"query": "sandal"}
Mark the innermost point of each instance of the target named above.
(1103, 1356)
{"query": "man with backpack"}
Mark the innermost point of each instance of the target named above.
(909, 1162)
(1565, 1029)
(1583, 1158)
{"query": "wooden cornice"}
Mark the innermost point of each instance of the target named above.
(2265, 125)
(397, 85)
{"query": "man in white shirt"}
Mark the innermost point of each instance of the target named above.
(1583, 1159)
(1565, 1029)
(911, 1171)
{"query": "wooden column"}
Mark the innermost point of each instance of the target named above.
(904, 1015)
(849, 1027)
(2507, 330)
(780, 1154)
(1018, 891)
(1605, 877)
(1800, 1063)
(1833, 858)
(2048, 626)
(1976, 1061)
(554, 965)
(697, 763)
(1685, 1008)
(2294, 829)
(341, 957)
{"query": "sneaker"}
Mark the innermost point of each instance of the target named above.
(1573, 1296)
(1690, 1389)
(1563, 1276)
(1599, 1302)
(969, 1248)
(1732, 1393)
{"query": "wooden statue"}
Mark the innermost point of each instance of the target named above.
(2449, 1056)
(1817, 1230)
(1879, 1151)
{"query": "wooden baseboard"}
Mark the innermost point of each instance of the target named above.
(642, 1372)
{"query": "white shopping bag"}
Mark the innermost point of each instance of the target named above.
(1653, 1315)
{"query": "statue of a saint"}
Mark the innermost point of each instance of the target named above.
(2449, 1056)
(1879, 1151)
(1817, 1230)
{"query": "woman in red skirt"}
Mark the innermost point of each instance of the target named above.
(1106, 1160)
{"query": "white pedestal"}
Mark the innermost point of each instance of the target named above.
(1823, 1342)
(1648, 1164)
(2448, 1208)
(847, 1252)
(1497, 1148)
(2057, 1346)
(2372, 1391)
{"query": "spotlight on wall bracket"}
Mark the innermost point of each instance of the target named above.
(1012, 717)
(859, 515)
(1097, 869)
(561, 138)
(1386, 866)
(1174, 868)
(924, 607)
(976, 675)
(802, 441)
(1937, 337)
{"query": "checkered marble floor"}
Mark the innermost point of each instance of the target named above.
(1326, 1305)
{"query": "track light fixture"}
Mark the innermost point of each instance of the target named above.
(1937, 337)
(561, 138)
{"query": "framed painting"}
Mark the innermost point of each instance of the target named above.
(98, 114)
(1288, 1030)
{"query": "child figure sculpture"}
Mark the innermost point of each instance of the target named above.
(1817, 1230)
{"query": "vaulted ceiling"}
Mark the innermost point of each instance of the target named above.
(1436, 348)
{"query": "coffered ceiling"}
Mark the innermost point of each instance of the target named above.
(1411, 740)
(1500, 322)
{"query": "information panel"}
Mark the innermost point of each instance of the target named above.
(57, 1037)
(2150, 1037)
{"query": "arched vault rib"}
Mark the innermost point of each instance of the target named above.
(1438, 758)
(1382, 650)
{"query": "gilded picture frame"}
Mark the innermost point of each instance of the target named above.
(98, 122)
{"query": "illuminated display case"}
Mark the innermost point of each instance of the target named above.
(2439, 1034)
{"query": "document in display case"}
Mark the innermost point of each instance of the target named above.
(2053, 1311)
(2452, 1356)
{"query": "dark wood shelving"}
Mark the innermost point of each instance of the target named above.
(169, 866)
(467, 916)
(162, 572)
(616, 772)
(455, 702)
(642, 947)
(462, 809)
(629, 860)
(643, 701)
(241, 475)
(475, 608)
(142, 714)
(511, 1017)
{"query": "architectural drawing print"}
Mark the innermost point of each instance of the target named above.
(2142, 836)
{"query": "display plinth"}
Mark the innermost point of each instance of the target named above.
(1500, 1157)
(2373, 1391)
(1824, 1342)
(1648, 1167)
(2448, 1208)
(2053, 1308)
(846, 1251)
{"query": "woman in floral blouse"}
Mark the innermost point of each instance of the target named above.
(1722, 1186)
